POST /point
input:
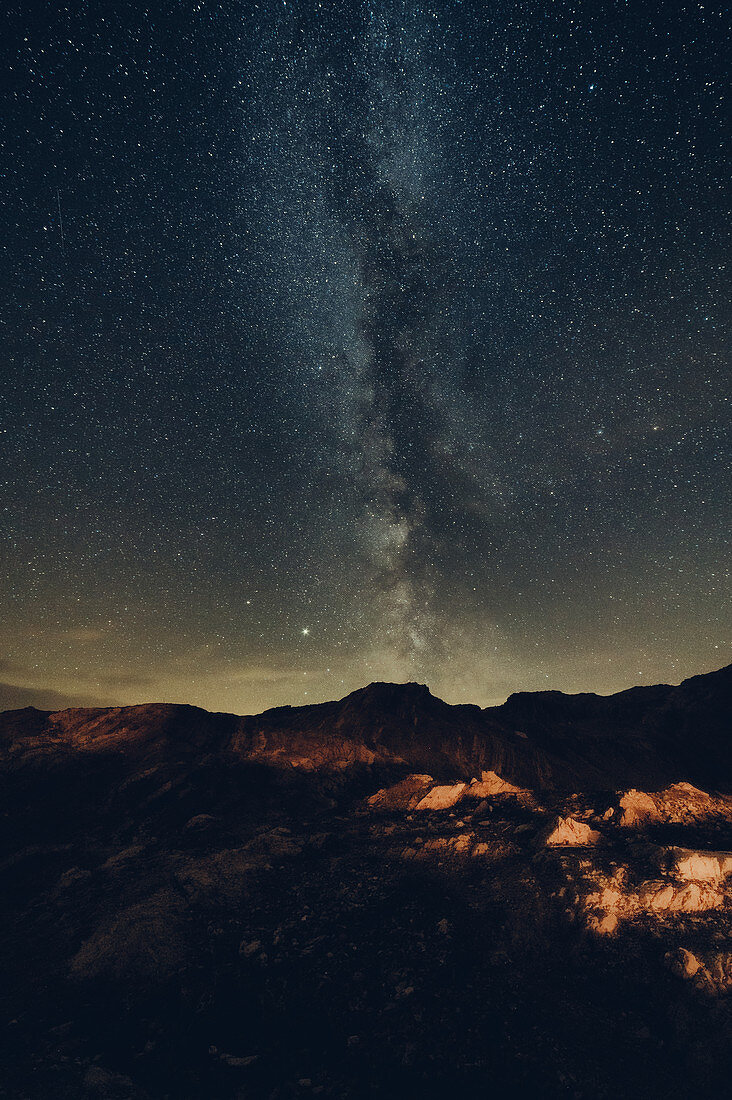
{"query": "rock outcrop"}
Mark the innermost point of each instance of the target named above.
(677, 804)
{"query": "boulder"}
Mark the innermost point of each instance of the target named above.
(402, 796)
(637, 808)
(710, 973)
(679, 804)
(695, 866)
(442, 798)
(144, 944)
(715, 977)
(693, 898)
(682, 963)
(603, 924)
(491, 784)
(443, 844)
(567, 831)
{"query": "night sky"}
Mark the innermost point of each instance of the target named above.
(361, 340)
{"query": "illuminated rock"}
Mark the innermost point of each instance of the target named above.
(679, 804)
(695, 866)
(568, 831)
(603, 925)
(443, 844)
(442, 798)
(491, 784)
(637, 808)
(692, 898)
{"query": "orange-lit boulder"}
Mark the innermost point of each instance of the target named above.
(491, 784)
(695, 866)
(568, 831)
(442, 798)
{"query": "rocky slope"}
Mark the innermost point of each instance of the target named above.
(384, 896)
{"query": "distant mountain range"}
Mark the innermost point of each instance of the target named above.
(646, 736)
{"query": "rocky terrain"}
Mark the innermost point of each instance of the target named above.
(382, 896)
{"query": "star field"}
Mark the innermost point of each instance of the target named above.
(374, 340)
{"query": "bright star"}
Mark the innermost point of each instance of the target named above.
(305, 630)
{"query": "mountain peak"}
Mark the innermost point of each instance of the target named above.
(387, 690)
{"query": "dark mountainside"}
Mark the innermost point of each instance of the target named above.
(648, 735)
(384, 895)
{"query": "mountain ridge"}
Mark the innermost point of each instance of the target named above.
(643, 735)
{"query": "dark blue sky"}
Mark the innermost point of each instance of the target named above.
(370, 340)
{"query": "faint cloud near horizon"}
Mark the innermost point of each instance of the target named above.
(15, 697)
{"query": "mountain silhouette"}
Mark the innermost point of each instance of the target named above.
(646, 736)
